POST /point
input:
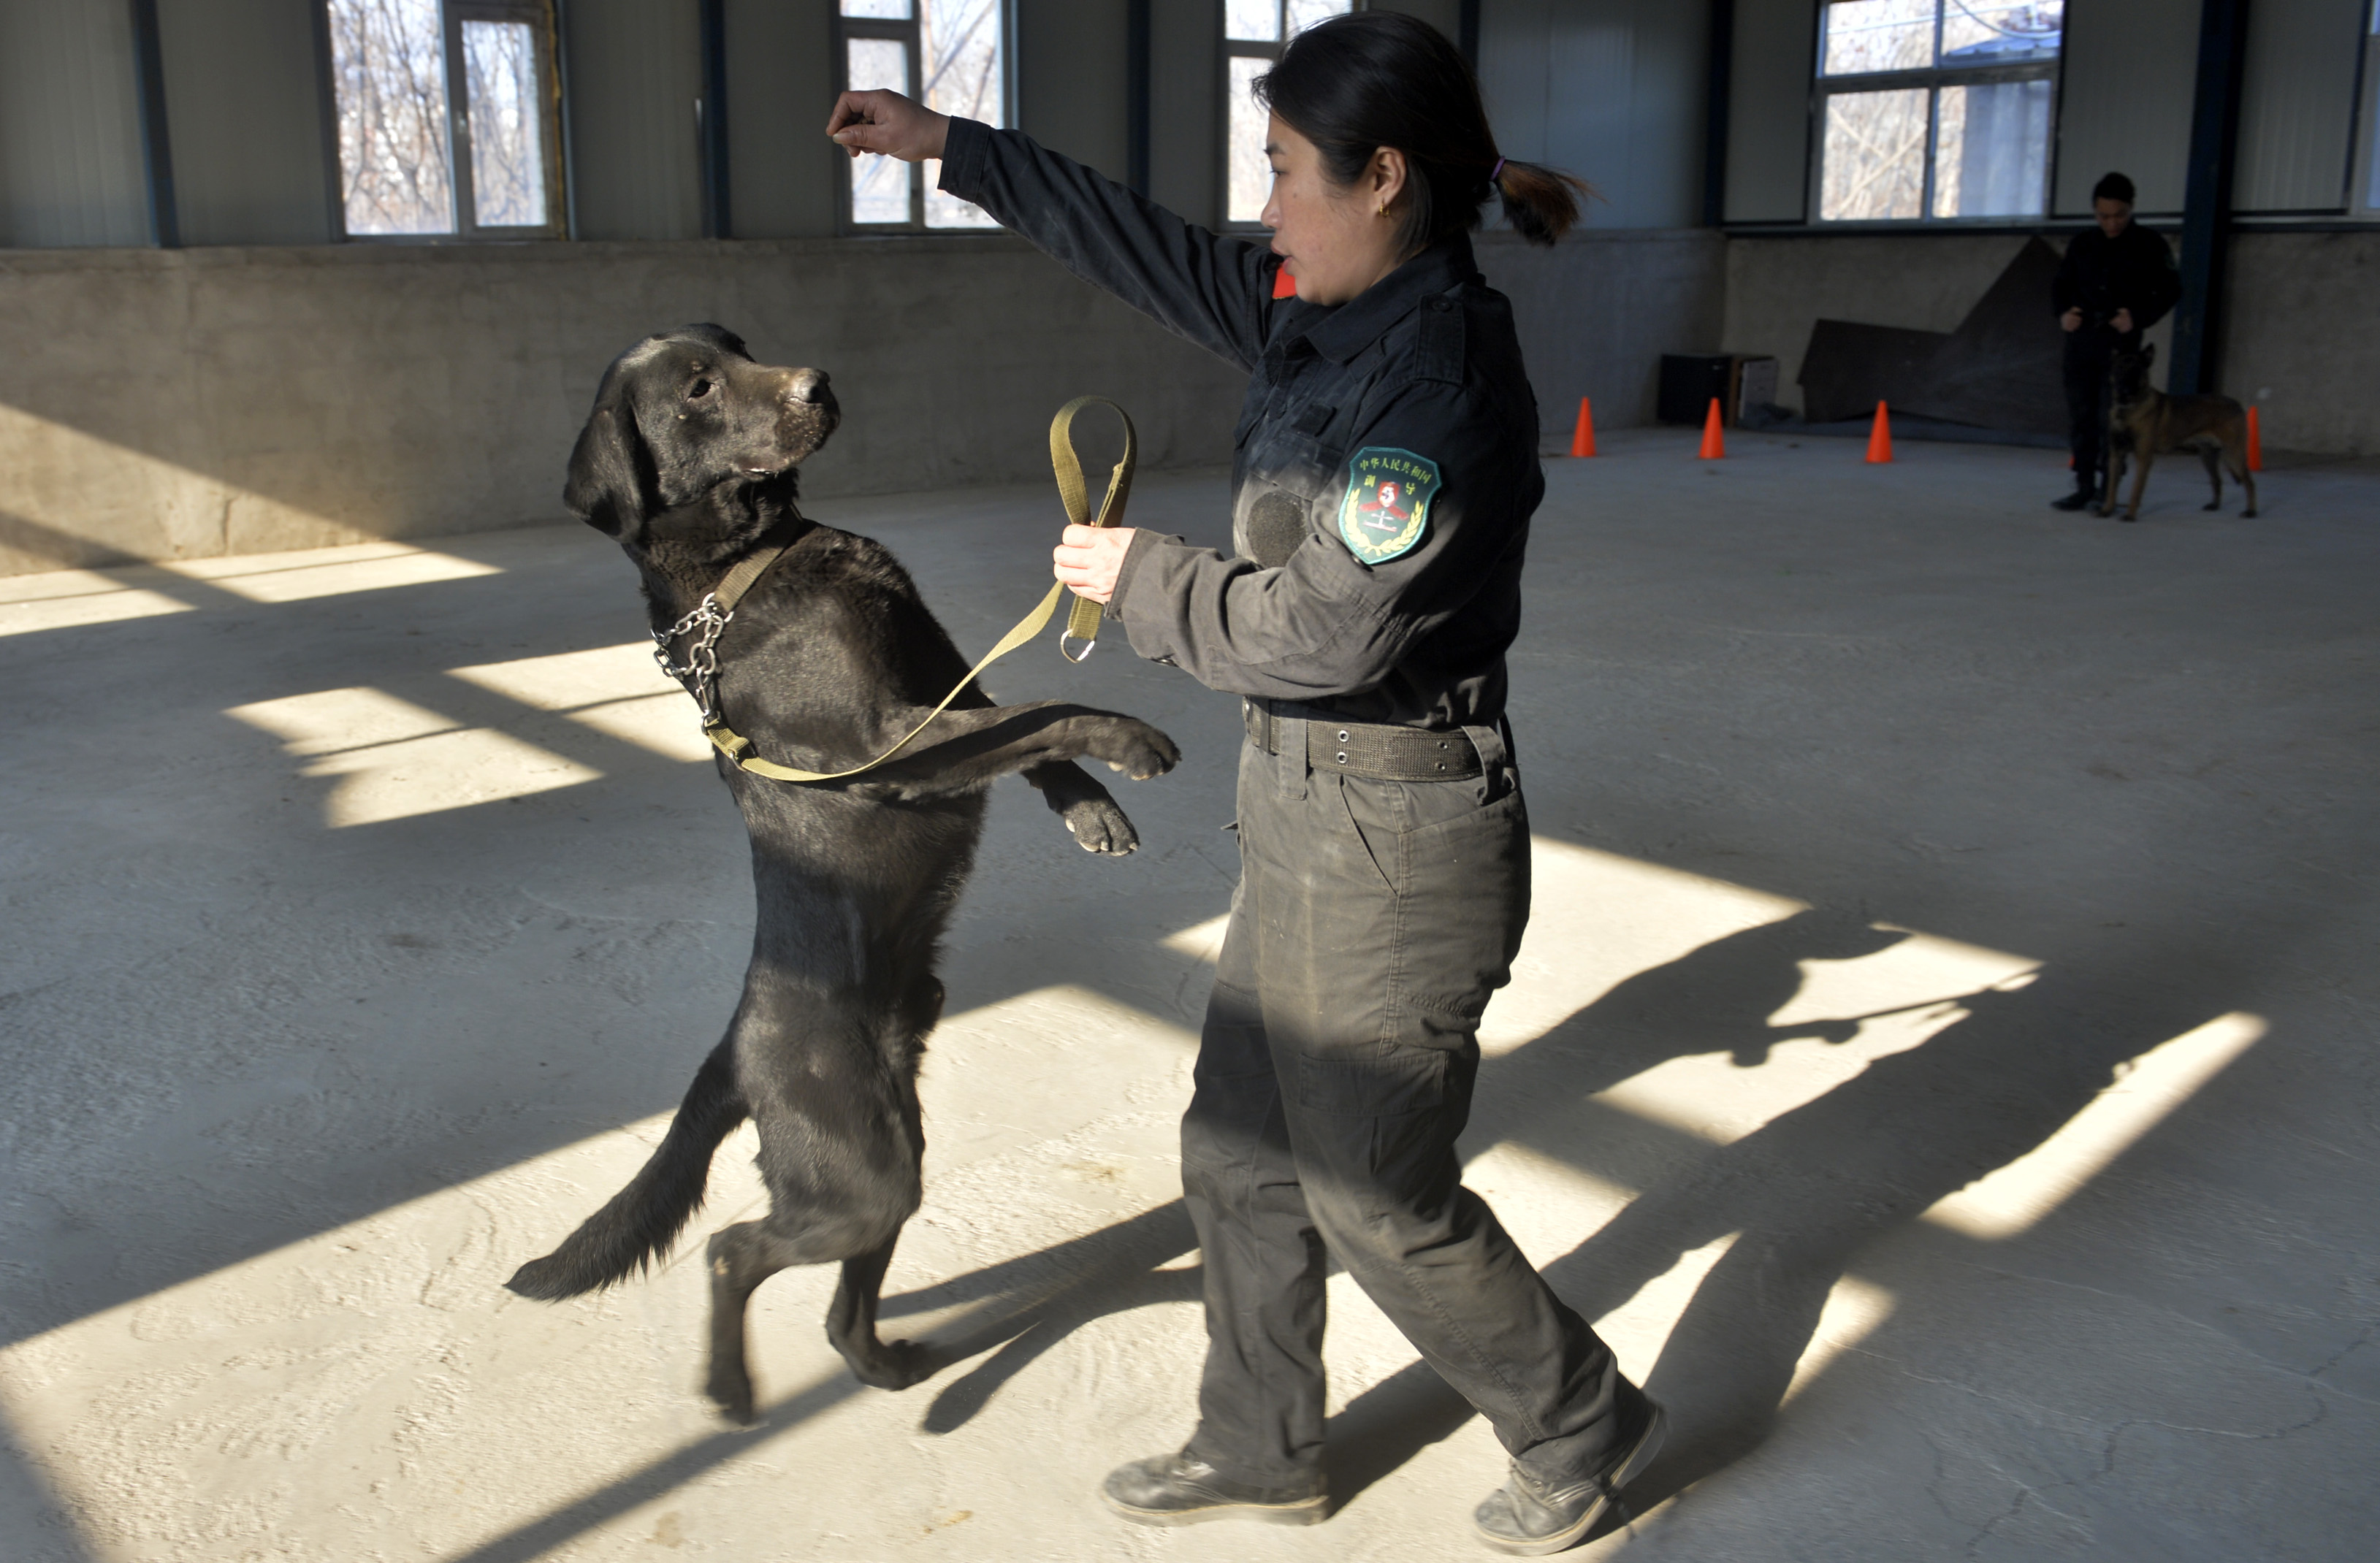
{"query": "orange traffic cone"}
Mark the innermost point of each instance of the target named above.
(1283, 285)
(1879, 439)
(2256, 443)
(1582, 439)
(1713, 447)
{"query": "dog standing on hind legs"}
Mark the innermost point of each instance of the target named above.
(2147, 421)
(690, 461)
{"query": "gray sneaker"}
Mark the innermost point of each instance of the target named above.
(1528, 1518)
(1180, 1489)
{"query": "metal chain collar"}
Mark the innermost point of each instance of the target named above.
(700, 672)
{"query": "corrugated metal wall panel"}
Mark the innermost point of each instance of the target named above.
(636, 69)
(2131, 73)
(781, 167)
(1611, 90)
(244, 106)
(70, 168)
(1071, 80)
(1768, 111)
(2297, 109)
(1186, 152)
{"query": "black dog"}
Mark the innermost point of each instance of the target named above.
(690, 461)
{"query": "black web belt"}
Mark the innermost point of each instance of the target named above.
(1382, 752)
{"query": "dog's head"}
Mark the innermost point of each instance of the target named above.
(2130, 372)
(683, 418)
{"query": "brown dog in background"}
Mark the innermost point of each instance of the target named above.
(2147, 421)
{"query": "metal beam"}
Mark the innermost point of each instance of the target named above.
(718, 216)
(2206, 200)
(1719, 83)
(156, 147)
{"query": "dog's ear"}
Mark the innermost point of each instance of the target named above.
(2148, 354)
(611, 481)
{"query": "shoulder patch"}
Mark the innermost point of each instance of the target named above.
(1386, 509)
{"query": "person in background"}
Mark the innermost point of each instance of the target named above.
(2115, 283)
(1385, 471)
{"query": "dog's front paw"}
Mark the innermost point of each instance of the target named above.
(1100, 825)
(1136, 748)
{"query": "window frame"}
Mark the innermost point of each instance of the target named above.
(1245, 48)
(910, 33)
(1933, 79)
(544, 27)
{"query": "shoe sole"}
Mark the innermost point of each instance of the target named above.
(1311, 1511)
(1648, 1446)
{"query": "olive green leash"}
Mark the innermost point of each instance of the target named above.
(700, 672)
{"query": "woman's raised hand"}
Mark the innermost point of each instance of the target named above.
(887, 123)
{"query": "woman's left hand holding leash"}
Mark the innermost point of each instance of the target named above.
(1088, 557)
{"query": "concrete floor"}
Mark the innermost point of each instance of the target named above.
(1941, 1060)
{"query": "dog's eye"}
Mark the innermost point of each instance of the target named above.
(701, 389)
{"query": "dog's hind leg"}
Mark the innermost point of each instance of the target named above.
(2212, 456)
(742, 1256)
(851, 1326)
(2240, 475)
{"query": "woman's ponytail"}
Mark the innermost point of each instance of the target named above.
(1542, 203)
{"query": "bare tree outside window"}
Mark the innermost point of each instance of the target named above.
(1936, 108)
(409, 165)
(388, 58)
(956, 50)
(1254, 32)
(507, 157)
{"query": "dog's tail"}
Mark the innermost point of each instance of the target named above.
(644, 1218)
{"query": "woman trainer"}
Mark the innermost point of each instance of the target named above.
(1385, 475)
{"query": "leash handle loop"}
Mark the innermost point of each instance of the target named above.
(1083, 618)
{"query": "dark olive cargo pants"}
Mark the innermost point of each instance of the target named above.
(1371, 923)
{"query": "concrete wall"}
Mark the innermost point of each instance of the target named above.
(2289, 346)
(1596, 311)
(177, 404)
(182, 403)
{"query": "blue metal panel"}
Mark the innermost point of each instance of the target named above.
(70, 147)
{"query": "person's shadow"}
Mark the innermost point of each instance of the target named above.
(1807, 1190)
(1716, 997)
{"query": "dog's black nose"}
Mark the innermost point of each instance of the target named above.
(808, 386)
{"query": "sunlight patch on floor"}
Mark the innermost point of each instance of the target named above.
(328, 572)
(2009, 1202)
(68, 599)
(392, 760)
(616, 690)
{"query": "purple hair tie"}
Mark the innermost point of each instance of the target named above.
(1498, 169)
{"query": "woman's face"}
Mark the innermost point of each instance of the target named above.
(1334, 240)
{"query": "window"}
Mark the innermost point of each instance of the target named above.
(447, 117)
(951, 55)
(1254, 32)
(1936, 109)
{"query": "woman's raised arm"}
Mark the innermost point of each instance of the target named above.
(1212, 290)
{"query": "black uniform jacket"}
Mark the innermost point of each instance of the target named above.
(2100, 276)
(1421, 372)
